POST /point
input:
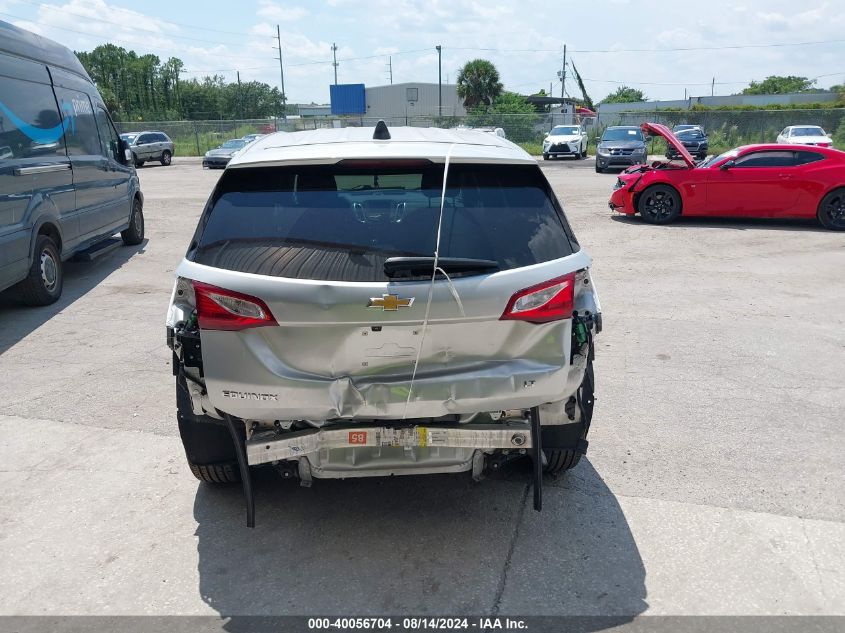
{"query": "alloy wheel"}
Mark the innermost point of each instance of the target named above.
(835, 210)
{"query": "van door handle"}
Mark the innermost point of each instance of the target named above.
(41, 169)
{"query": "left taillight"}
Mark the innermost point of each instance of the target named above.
(221, 309)
(549, 301)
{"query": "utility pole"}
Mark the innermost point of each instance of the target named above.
(563, 75)
(439, 80)
(334, 61)
(282, 74)
(712, 86)
(240, 97)
(390, 68)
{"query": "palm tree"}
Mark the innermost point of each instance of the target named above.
(478, 83)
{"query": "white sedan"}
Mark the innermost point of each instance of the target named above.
(805, 135)
(565, 140)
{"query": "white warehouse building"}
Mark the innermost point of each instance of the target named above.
(396, 101)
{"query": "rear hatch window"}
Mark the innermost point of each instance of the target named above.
(341, 222)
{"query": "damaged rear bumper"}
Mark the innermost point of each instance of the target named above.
(267, 447)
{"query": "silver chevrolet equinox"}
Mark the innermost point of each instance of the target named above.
(369, 301)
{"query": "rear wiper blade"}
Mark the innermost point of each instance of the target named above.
(422, 266)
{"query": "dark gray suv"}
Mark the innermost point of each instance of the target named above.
(66, 178)
(621, 146)
(149, 146)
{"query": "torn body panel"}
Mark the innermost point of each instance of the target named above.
(332, 356)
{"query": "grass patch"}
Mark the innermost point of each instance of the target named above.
(532, 147)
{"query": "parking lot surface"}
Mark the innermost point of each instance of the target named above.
(713, 483)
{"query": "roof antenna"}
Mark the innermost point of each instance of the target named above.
(381, 133)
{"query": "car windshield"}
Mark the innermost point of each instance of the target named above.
(716, 159)
(809, 130)
(689, 133)
(234, 144)
(565, 130)
(622, 134)
(341, 222)
(129, 137)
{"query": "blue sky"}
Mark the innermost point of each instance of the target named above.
(528, 37)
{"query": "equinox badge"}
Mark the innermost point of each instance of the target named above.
(390, 303)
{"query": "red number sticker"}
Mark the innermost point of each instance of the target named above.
(357, 437)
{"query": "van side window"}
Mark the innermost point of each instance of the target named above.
(110, 145)
(30, 125)
(81, 129)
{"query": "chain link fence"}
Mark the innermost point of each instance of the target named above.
(725, 128)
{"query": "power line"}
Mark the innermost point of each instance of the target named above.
(646, 50)
(180, 24)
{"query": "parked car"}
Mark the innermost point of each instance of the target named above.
(621, 146)
(219, 157)
(66, 178)
(758, 181)
(311, 332)
(805, 135)
(565, 140)
(148, 146)
(694, 139)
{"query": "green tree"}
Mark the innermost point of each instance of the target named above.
(478, 83)
(624, 94)
(510, 112)
(779, 85)
(587, 101)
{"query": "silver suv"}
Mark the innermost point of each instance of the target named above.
(148, 146)
(368, 303)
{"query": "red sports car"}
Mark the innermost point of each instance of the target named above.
(754, 181)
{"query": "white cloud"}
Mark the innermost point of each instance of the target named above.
(383, 28)
(274, 11)
(29, 26)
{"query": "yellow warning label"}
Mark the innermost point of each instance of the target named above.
(422, 436)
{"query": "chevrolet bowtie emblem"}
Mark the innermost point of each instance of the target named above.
(390, 302)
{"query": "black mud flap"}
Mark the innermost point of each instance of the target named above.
(537, 458)
(243, 466)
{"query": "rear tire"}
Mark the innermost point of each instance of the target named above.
(557, 460)
(831, 212)
(208, 445)
(545, 157)
(584, 152)
(659, 204)
(134, 234)
(216, 473)
(166, 157)
(43, 284)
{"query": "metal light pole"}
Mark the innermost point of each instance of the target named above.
(439, 81)
(282, 75)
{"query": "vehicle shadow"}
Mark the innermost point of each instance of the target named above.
(739, 224)
(434, 545)
(18, 320)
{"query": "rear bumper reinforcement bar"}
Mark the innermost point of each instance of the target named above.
(268, 446)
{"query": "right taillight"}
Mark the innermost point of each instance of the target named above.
(549, 301)
(221, 309)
